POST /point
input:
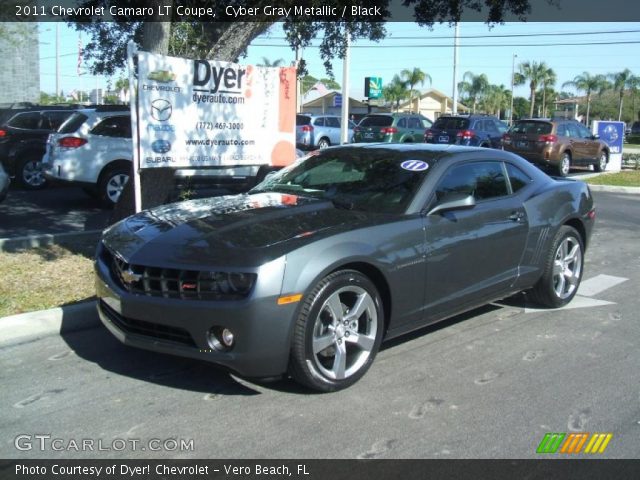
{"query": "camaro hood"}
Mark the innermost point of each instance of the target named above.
(235, 230)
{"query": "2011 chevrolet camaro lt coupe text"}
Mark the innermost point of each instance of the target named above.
(312, 269)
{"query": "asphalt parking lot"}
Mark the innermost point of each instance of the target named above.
(489, 384)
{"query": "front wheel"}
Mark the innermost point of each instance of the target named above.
(337, 333)
(601, 165)
(562, 270)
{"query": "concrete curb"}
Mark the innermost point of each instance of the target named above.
(34, 241)
(615, 189)
(44, 323)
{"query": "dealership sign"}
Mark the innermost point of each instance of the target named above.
(612, 133)
(373, 87)
(210, 113)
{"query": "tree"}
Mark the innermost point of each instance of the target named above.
(621, 81)
(309, 81)
(548, 80)
(474, 86)
(588, 83)
(412, 78)
(395, 91)
(268, 63)
(227, 41)
(496, 98)
(535, 73)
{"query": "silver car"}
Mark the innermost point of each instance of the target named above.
(319, 131)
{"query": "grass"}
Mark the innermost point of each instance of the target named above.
(626, 178)
(46, 277)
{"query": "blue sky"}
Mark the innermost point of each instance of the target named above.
(388, 57)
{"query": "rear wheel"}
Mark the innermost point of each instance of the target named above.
(111, 184)
(30, 175)
(601, 165)
(565, 164)
(337, 333)
(562, 270)
(323, 143)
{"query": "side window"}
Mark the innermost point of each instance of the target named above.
(483, 180)
(319, 122)
(29, 121)
(113, 127)
(571, 130)
(517, 177)
(332, 122)
(402, 123)
(414, 123)
(490, 126)
(562, 130)
(53, 120)
(501, 127)
(583, 131)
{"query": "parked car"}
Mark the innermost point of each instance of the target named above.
(319, 131)
(311, 270)
(392, 128)
(23, 143)
(4, 183)
(635, 128)
(469, 130)
(559, 144)
(92, 148)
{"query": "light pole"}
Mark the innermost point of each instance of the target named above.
(513, 73)
(454, 108)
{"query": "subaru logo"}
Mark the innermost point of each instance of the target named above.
(161, 109)
(161, 146)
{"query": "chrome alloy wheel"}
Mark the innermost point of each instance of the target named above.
(32, 174)
(565, 165)
(344, 332)
(567, 267)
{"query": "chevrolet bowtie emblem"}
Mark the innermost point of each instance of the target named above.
(129, 276)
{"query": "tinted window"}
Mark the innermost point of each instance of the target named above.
(319, 122)
(53, 120)
(402, 123)
(415, 123)
(377, 121)
(72, 123)
(113, 127)
(562, 130)
(532, 127)
(332, 122)
(490, 126)
(500, 126)
(517, 177)
(483, 180)
(360, 180)
(583, 131)
(451, 123)
(303, 120)
(29, 121)
(572, 130)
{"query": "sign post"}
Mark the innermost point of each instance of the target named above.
(135, 135)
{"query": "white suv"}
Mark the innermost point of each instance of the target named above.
(92, 148)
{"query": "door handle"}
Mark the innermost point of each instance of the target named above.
(517, 216)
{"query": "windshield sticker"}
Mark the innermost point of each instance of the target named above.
(414, 165)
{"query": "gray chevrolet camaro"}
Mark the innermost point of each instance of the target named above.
(310, 271)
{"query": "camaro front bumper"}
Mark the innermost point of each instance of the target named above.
(261, 328)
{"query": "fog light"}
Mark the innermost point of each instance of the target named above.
(227, 338)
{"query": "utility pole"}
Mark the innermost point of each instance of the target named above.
(454, 109)
(344, 123)
(513, 73)
(57, 62)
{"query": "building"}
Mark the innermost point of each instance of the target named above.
(432, 103)
(331, 103)
(20, 72)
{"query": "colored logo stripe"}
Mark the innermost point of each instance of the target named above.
(598, 442)
(574, 442)
(550, 443)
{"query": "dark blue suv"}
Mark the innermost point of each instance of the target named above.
(469, 130)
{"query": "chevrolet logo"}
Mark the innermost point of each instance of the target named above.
(128, 276)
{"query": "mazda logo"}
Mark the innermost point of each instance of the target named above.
(161, 109)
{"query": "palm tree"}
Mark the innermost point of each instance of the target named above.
(588, 83)
(475, 86)
(548, 80)
(268, 63)
(395, 91)
(535, 73)
(634, 85)
(621, 81)
(412, 78)
(496, 98)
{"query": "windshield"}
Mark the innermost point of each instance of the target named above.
(377, 121)
(370, 180)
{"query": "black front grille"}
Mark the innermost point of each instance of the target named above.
(174, 283)
(148, 329)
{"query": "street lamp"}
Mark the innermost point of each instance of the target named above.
(513, 73)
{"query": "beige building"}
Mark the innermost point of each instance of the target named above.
(432, 103)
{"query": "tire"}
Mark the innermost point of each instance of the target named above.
(323, 143)
(562, 270)
(565, 164)
(29, 174)
(601, 164)
(332, 350)
(111, 183)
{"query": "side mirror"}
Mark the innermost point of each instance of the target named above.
(453, 201)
